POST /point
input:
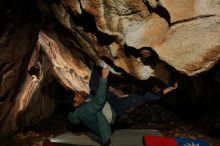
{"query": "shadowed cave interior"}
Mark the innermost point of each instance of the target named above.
(33, 30)
(174, 114)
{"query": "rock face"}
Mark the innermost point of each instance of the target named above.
(42, 41)
(174, 30)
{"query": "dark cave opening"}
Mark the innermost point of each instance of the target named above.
(196, 101)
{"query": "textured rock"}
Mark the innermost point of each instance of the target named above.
(29, 102)
(116, 17)
(89, 42)
(168, 27)
(68, 68)
(138, 37)
(18, 97)
(188, 9)
(142, 37)
(192, 47)
(180, 10)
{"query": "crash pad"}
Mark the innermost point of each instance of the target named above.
(132, 137)
(121, 137)
(81, 139)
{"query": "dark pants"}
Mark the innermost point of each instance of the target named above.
(121, 105)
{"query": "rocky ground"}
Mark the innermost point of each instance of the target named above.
(149, 115)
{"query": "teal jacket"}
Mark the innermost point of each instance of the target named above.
(90, 113)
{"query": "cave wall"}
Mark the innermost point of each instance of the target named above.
(46, 40)
(174, 30)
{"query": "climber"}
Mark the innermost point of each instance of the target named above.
(89, 111)
(94, 112)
